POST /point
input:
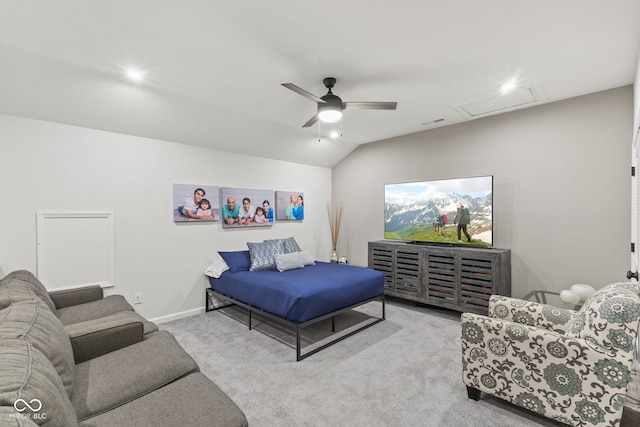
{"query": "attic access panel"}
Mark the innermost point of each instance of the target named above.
(498, 103)
(75, 249)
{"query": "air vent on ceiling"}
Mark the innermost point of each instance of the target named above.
(498, 103)
(431, 122)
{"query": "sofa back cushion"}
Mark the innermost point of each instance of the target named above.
(29, 378)
(609, 319)
(34, 322)
(9, 417)
(34, 284)
(14, 290)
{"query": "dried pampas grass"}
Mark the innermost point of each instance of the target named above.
(335, 217)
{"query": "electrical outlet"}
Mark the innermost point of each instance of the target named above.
(137, 298)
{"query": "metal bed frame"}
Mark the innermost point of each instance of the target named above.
(296, 326)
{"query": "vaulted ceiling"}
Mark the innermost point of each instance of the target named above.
(214, 69)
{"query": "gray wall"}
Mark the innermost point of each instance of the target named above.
(561, 186)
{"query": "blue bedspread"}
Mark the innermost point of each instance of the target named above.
(302, 294)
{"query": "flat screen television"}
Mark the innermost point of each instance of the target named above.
(440, 211)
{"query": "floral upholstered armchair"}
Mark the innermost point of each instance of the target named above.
(570, 366)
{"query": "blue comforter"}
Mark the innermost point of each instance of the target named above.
(302, 294)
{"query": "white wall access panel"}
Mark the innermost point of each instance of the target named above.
(75, 249)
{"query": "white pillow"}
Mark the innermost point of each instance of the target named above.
(307, 259)
(217, 267)
(290, 261)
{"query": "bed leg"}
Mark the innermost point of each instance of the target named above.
(333, 323)
(250, 319)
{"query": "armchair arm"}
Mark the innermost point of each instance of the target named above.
(70, 297)
(94, 338)
(560, 377)
(530, 313)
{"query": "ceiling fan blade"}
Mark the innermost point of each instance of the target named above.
(369, 105)
(303, 92)
(312, 121)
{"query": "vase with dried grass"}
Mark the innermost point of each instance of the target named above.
(335, 217)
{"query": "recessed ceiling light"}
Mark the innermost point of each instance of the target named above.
(334, 134)
(508, 86)
(135, 75)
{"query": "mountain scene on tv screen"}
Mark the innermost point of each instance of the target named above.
(411, 213)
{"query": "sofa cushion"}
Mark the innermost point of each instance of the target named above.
(93, 310)
(9, 417)
(158, 361)
(192, 400)
(609, 319)
(14, 290)
(29, 376)
(75, 296)
(34, 322)
(94, 338)
(36, 286)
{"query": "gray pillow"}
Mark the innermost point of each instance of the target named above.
(307, 259)
(263, 255)
(290, 261)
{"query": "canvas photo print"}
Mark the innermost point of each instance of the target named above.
(244, 207)
(289, 205)
(196, 203)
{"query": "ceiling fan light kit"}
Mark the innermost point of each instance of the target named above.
(330, 106)
(329, 113)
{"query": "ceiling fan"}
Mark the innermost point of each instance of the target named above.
(330, 106)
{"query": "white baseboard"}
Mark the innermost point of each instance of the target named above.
(177, 316)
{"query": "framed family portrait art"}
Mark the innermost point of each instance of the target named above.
(245, 207)
(289, 205)
(196, 203)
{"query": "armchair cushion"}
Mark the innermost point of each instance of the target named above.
(609, 319)
(530, 313)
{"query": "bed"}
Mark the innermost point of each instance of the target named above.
(297, 297)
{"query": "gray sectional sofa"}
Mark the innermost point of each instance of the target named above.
(77, 358)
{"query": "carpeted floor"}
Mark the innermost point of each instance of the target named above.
(404, 371)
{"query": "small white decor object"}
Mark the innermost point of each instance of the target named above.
(570, 297)
(585, 291)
